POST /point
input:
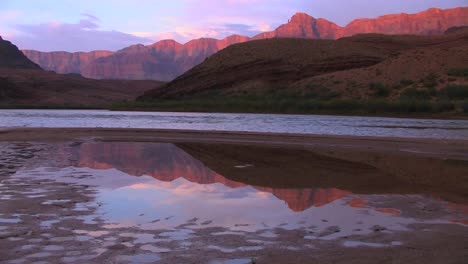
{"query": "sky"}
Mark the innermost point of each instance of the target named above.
(85, 25)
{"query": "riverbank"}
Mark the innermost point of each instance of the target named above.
(144, 107)
(429, 156)
(298, 105)
(428, 147)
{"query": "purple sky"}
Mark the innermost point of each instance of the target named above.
(84, 25)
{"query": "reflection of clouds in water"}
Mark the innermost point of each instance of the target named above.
(184, 200)
(139, 186)
(262, 195)
(243, 208)
(151, 204)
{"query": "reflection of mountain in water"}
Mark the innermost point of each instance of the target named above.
(162, 161)
(301, 199)
(166, 162)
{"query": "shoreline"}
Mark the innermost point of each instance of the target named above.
(430, 116)
(441, 148)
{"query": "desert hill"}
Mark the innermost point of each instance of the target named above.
(361, 67)
(167, 59)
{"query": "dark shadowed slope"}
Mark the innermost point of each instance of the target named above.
(11, 57)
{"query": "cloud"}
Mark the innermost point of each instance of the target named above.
(90, 17)
(182, 20)
(85, 35)
(6, 16)
(184, 34)
(243, 29)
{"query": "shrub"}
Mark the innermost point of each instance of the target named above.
(458, 72)
(413, 93)
(406, 82)
(465, 106)
(431, 80)
(342, 105)
(319, 92)
(443, 106)
(379, 89)
(455, 92)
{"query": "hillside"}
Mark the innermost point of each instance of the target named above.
(309, 72)
(167, 59)
(11, 57)
(25, 84)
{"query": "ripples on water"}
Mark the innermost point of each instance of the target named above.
(306, 124)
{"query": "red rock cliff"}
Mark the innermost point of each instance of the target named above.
(64, 62)
(168, 59)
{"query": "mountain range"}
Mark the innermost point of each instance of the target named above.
(167, 59)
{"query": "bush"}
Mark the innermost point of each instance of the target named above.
(293, 103)
(406, 82)
(379, 89)
(455, 92)
(319, 92)
(458, 72)
(342, 105)
(443, 106)
(465, 106)
(431, 80)
(414, 93)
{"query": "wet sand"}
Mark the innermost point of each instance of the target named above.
(47, 220)
(421, 147)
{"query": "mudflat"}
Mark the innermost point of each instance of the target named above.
(422, 147)
(166, 196)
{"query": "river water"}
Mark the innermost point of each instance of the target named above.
(275, 123)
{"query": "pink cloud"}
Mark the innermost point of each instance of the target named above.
(85, 35)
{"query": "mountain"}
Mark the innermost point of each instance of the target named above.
(161, 61)
(24, 84)
(65, 62)
(433, 21)
(302, 25)
(359, 67)
(167, 59)
(12, 58)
